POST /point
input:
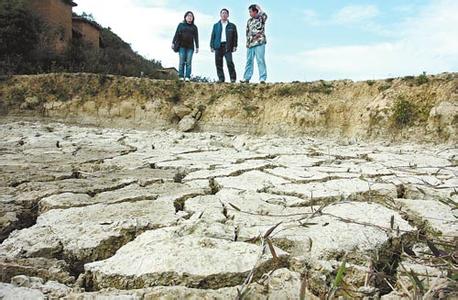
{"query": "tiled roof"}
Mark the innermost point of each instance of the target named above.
(92, 23)
(70, 2)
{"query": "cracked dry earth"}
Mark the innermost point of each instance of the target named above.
(90, 213)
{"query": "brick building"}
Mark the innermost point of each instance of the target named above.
(58, 15)
(62, 26)
(87, 30)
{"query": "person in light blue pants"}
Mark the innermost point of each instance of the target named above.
(258, 52)
(186, 36)
(256, 43)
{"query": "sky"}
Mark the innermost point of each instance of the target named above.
(306, 39)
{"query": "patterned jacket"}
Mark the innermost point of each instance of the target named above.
(255, 30)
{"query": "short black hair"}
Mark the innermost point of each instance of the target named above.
(253, 7)
(224, 9)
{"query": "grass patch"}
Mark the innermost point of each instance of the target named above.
(409, 77)
(297, 105)
(323, 88)
(417, 80)
(384, 87)
(175, 95)
(243, 90)
(290, 90)
(370, 82)
(285, 91)
(103, 78)
(250, 110)
(16, 95)
(213, 98)
(51, 87)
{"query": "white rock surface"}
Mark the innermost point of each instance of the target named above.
(11, 292)
(250, 181)
(163, 257)
(90, 232)
(338, 189)
(440, 216)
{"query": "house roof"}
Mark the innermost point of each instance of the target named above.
(170, 69)
(70, 2)
(92, 23)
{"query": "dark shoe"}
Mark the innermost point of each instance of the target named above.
(244, 81)
(262, 82)
(220, 81)
(233, 80)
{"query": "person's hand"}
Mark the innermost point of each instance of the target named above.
(234, 49)
(212, 50)
(197, 50)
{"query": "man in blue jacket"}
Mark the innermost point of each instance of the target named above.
(223, 42)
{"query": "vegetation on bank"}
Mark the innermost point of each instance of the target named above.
(25, 49)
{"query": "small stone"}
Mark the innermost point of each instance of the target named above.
(21, 281)
(188, 123)
(11, 292)
(30, 102)
(181, 111)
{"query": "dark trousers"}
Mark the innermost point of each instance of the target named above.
(219, 54)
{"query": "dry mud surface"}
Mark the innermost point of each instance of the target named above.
(92, 213)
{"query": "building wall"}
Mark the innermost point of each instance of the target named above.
(58, 15)
(89, 32)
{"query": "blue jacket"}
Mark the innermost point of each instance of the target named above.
(231, 36)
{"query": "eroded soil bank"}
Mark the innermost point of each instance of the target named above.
(421, 109)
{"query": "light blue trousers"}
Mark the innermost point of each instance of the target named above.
(259, 53)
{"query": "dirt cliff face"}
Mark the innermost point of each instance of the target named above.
(423, 108)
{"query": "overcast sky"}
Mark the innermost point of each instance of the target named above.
(307, 40)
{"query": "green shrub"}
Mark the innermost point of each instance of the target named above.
(370, 82)
(324, 88)
(284, 91)
(243, 90)
(291, 90)
(16, 95)
(201, 79)
(213, 98)
(175, 89)
(384, 87)
(422, 79)
(19, 29)
(403, 112)
(250, 110)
